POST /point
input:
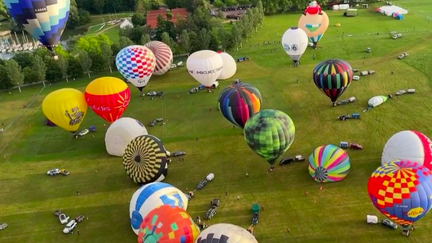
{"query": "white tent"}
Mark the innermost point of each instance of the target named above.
(389, 10)
(126, 24)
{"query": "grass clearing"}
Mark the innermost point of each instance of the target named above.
(28, 197)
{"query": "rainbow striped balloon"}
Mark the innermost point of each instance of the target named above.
(329, 163)
(163, 54)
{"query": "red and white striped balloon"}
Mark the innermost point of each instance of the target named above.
(163, 56)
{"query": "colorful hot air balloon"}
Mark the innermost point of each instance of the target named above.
(151, 196)
(238, 102)
(269, 133)
(408, 145)
(205, 66)
(163, 54)
(329, 163)
(145, 160)
(120, 133)
(225, 233)
(66, 108)
(167, 224)
(229, 66)
(294, 42)
(108, 97)
(136, 64)
(45, 20)
(402, 191)
(314, 22)
(333, 77)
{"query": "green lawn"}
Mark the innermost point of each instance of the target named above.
(336, 214)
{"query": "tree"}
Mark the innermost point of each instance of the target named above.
(173, 4)
(192, 5)
(138, 19)
(247, 26)
(218, 3)
(223, 38)
(63, 63)
(53, 71)
(230, 3)
(145, 39)
(185, 41)
(14, 72)
(256, 19)
(214, 42)
(107, 55)
(5, 82)
(236, 36)
(98, 6)
(74, 17)
(165, 38)
(39, 67)
(85, 61)
(74, 70)
(124, 41)
(201, 18)
(202, 41)
(30, 75)
(23, 59)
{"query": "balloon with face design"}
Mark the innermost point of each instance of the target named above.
(315, 25)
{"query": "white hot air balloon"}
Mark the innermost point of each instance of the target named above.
(225, 233)
(120, 133)
(229, 66)
(294, 42)
(151, 196)
(408, 145)
(205, 66)
(163, 54)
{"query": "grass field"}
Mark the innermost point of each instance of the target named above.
(335, 214)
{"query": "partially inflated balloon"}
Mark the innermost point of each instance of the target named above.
(66, 108)
(269, 133)
(402, 191)
(167, 224)
(333, 77)
(205, 66)
(108, 97)
(45, 20)
(225, 233)
(315, 25)
(229, 66)
(163, 55)
(294, 42)
(136, 64)
(238, 102)
(329, 163)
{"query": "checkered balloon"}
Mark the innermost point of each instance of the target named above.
(136, 64)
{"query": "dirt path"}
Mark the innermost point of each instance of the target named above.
(105, 29)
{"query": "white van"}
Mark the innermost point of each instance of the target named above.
(356, 78)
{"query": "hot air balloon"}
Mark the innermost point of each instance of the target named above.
(238, 102)
(333, 77)
(225, 233)
(145, 160)
(163, 54)
(108, 97)
(408, 145)
(229, 66)
(269, 133)
(66, 108)
(120, 133)
(136, 64)
(314, 22)
(329, 163)
(45, 20)
(402, 191)
(151, 196)
(167, 224)
(376, 101)
(294, 42)
(205, 66)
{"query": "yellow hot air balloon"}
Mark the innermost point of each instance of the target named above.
(66, 108)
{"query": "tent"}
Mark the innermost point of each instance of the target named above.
(388, 10)
(126, 24)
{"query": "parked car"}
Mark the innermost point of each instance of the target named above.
(356, 77)
(3, 226)
(356, 146)
(70, 227)
(389, 223)
(211, 212)
(57, 213)
(64, 172)
(401, 92)
(153, 123)
(286, 161)
(53, 172)
(79, 218)
(344, 117)
(255, 218)
(215, 202)
(201, 184)
(63, 218)
(178, 153)
(155, 94)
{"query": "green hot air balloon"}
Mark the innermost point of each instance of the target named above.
(269, 133)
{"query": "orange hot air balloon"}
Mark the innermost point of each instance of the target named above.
(108, 97)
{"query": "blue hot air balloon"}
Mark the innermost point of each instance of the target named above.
(45, 20)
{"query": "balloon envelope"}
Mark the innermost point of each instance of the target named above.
(120, 133)
(333, 77)
(314, 25)
(66, 108)
(229, 66)
(108, 97)
(145, 159)
(205, 66)
(294, 42)
(45, 20)
(269, 133)
(408, 145)
(167, 224)
(225, 233)
(329, 163)
(136, 64)
(238, 102)
(163, 55)
(402, 191)
(377, 100)
(151, 196)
